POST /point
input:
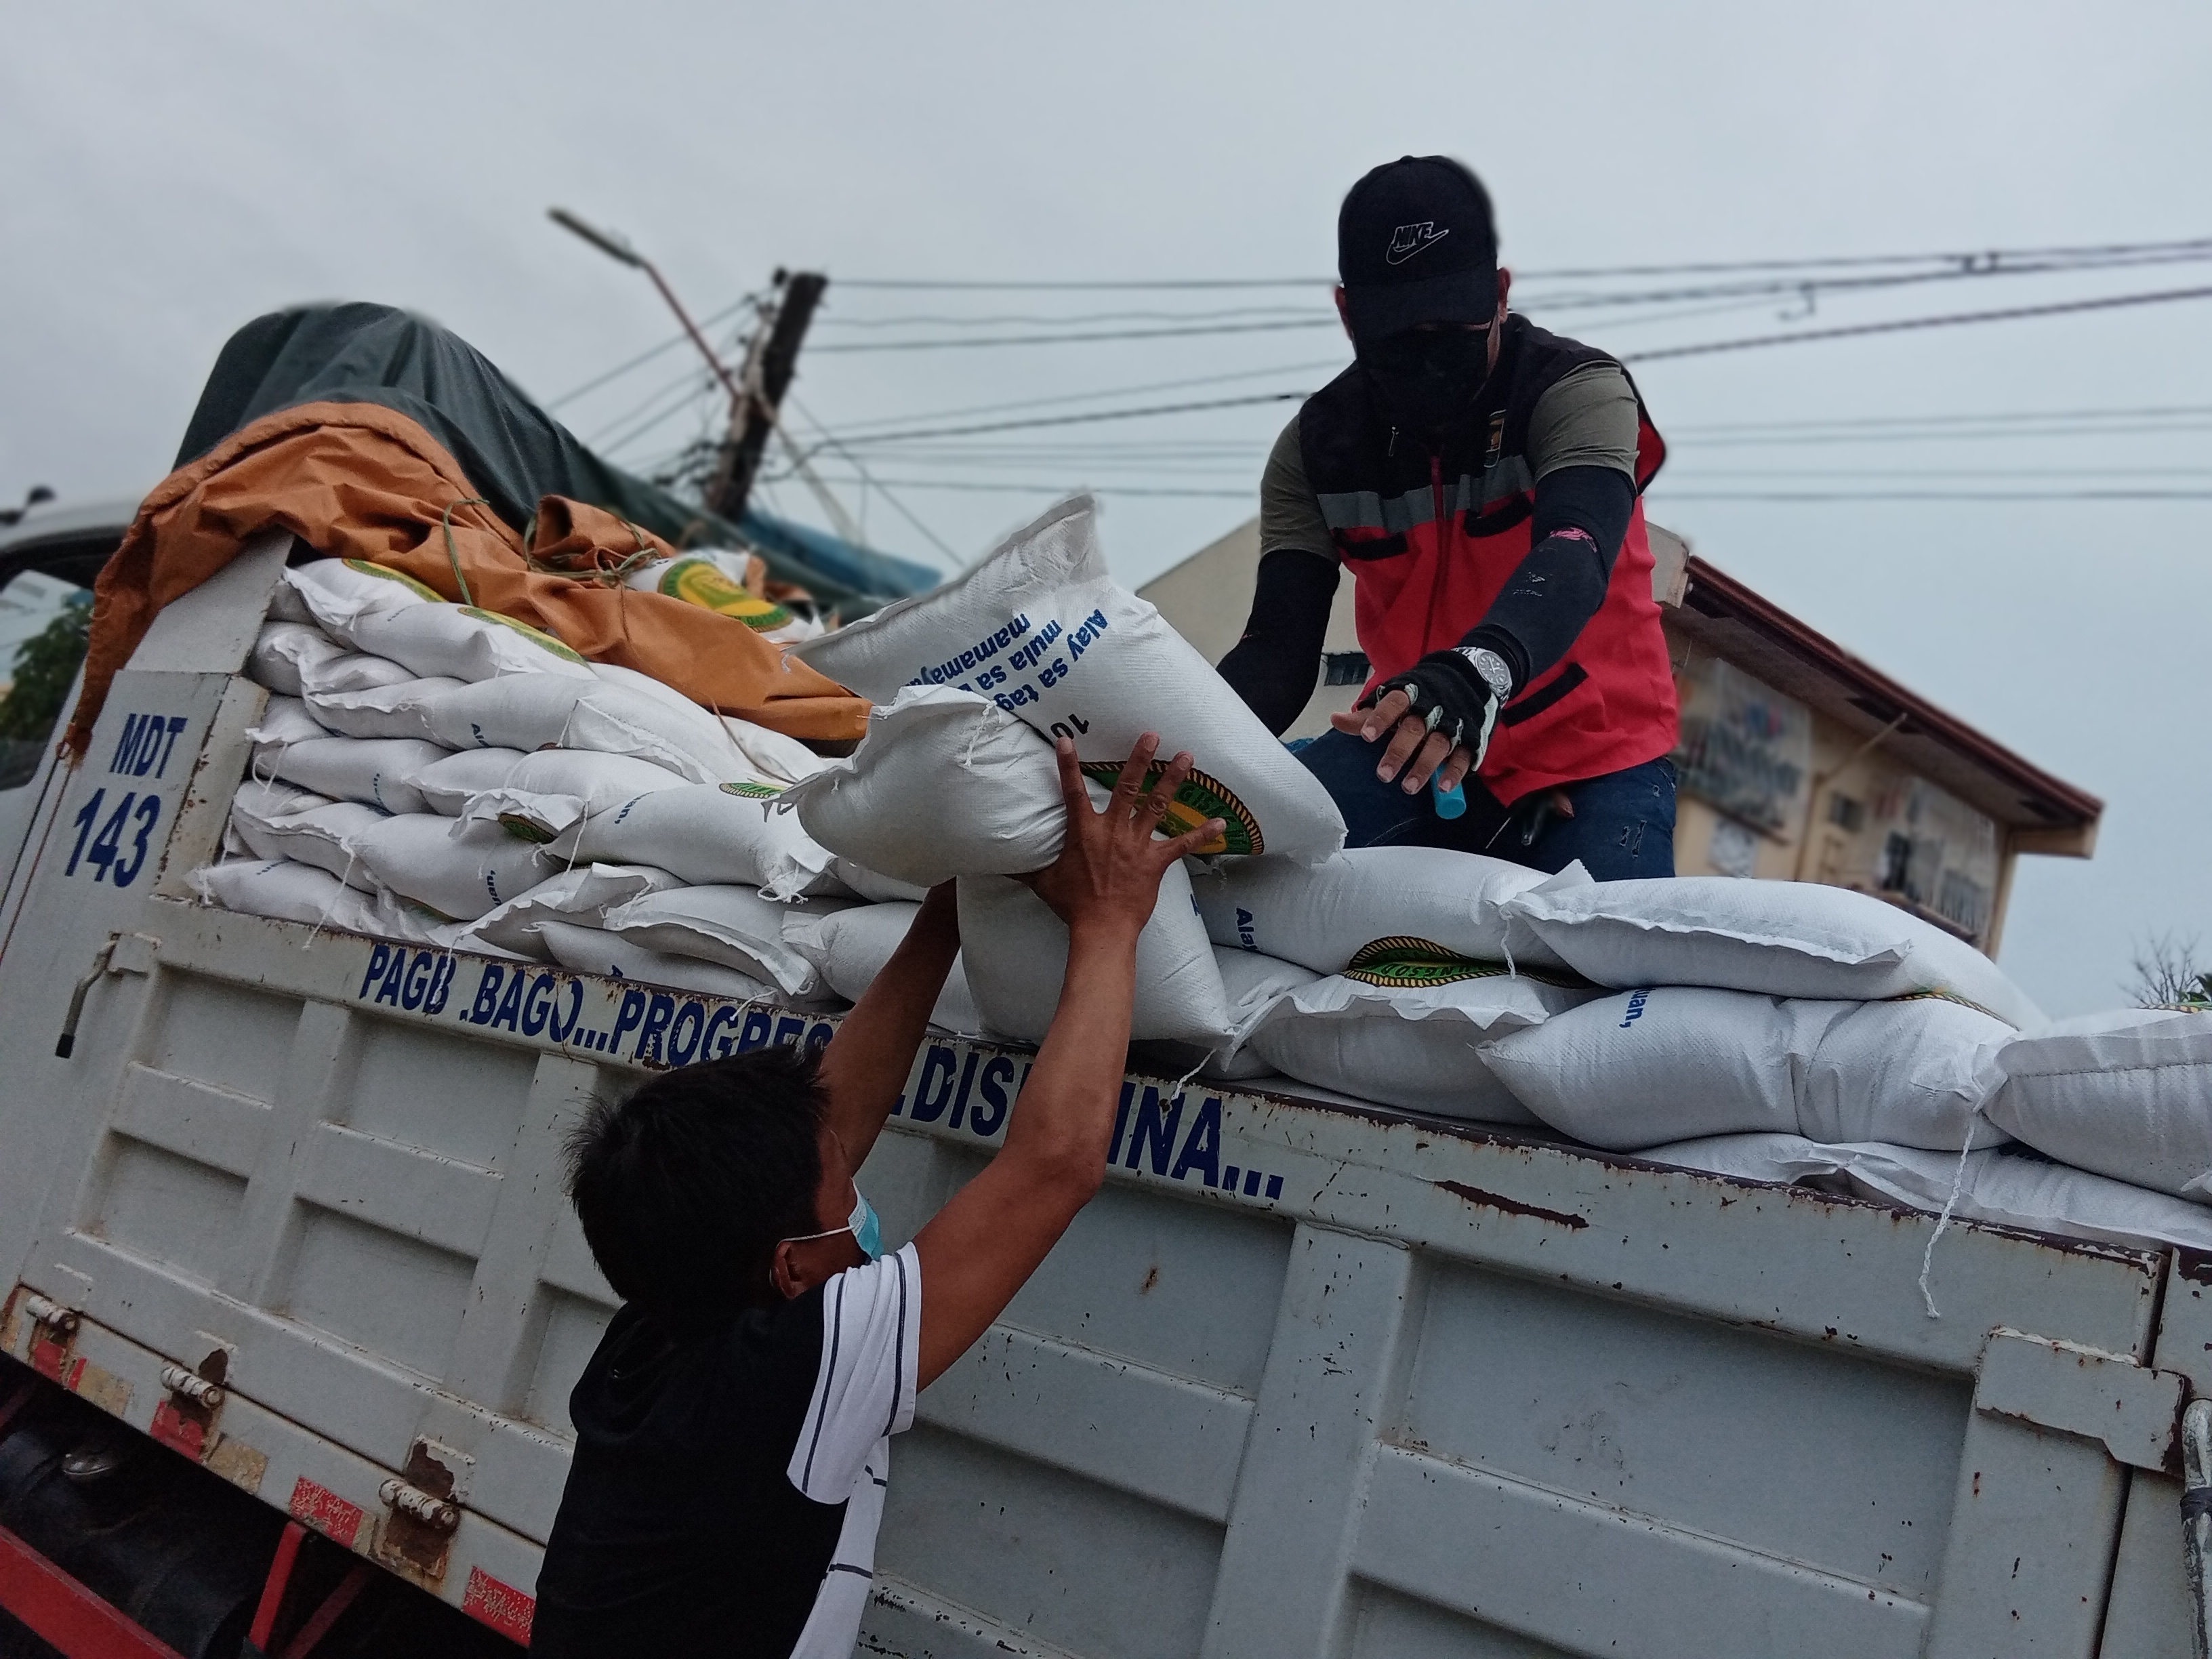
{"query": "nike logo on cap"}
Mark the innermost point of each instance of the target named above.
(1408, 240)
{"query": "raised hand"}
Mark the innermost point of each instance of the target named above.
(1109, 867)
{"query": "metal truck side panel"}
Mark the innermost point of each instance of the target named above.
(1302, 1380)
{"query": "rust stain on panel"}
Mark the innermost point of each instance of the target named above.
(1514, 1207)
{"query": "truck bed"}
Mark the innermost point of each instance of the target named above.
(1305, 1379)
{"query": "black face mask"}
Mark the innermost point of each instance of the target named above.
(1429, 377)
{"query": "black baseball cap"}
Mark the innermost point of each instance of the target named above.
(1415, 243)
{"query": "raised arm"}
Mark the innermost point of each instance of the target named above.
(980, 1247)
(867, 1063)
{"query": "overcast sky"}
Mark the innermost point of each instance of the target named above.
(172, 171)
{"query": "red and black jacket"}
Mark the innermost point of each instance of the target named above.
(1431, 539)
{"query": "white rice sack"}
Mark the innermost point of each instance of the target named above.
(464, 643)
(1640, 1068)
(323, 836)
(946, 784)
(1911, 1072)
(1253, 984)
(372, 770)
(340, 593)
(1784, 938)
(259, 802)
(583, 950)
(1409, 1044)
(583, 895)
(733, 925)
(281, 651)
(2004, 1187)
(285, 606)
(262, 806)
(459, 870)
(713, 738)
(1668, 1064)
(1043, 629)
(1016, 952)
(349, 670)
(1372, 901)
(777, 758)
(554, 789)
(284, 720)
(851, 946)
(874, 886)
(397, 710)
(290, 891)
(552, 711)
(451, 777)
(2127, 1094)
(710, 834)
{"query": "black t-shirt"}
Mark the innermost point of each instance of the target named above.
(726, 1485)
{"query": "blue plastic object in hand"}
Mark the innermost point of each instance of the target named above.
(1450, 802)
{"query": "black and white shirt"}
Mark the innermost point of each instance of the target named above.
(726, 1488)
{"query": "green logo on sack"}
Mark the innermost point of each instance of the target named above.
(524, 829)
(704, 583)
(1202, 796)
(754, 791)
(1402, 962)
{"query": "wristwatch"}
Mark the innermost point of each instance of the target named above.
(1492, 668)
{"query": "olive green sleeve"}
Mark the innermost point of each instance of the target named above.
(1587, 418)
(1290, 514)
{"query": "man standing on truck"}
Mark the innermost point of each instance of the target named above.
(733, 1429)
(1482, 479)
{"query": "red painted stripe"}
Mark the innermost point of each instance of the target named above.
(500, 1606)
(179, 1433)
(326, 1512)
(64, 1612)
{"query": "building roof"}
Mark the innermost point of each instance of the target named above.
(2046, 814)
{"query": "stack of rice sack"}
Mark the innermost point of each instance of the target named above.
(433, 772)
(1782, 1026)
(957, 778)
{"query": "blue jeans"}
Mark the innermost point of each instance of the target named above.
(1622, 825)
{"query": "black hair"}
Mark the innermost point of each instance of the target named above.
(685, 1186)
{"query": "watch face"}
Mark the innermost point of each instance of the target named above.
(1492, 666)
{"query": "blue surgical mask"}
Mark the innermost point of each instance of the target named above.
(867, 1231)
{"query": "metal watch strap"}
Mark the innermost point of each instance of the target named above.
(1492, 668)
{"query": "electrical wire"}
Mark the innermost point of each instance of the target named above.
(900, 508)
(648, 355)
(1901, 324)
(862, 428)
(1659, 491)
(1001, 320)
(1690, 268)
(1326, 321)
(1094, 415)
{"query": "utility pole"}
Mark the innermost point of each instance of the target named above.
(771, 362)
(757, 390)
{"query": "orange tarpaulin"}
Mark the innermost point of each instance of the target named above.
(357, 480)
